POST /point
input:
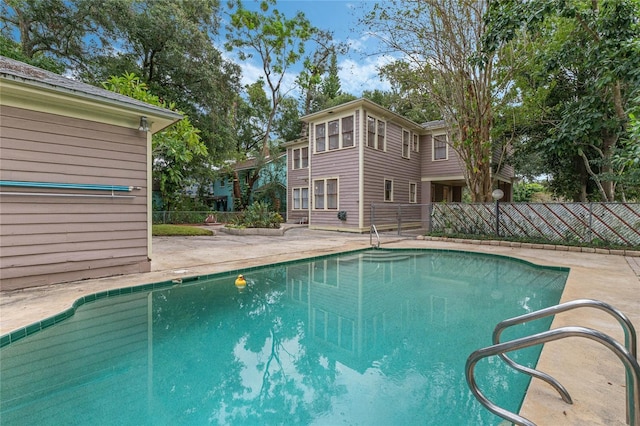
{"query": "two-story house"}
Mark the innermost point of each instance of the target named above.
(358, 154)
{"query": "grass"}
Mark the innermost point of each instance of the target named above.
(179, 231)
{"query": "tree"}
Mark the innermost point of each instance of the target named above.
(584, 83)
(13, 50)
(441, 46)
(175, 150)
(54, 28)
(278, 43)
(150, 36)
(323, 62)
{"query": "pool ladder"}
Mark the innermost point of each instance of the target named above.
(627, 354)
(373, 230)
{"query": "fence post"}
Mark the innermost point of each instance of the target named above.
(430, 215)
(399, 218)
(589, 231)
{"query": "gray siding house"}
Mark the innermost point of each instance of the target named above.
(75, 179)
(360, 153)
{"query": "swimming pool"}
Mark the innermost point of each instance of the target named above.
(367, 337)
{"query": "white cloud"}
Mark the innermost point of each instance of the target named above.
(358, 76)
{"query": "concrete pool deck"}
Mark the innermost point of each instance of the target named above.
(593, 375)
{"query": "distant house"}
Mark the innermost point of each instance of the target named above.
(75, 178)
(271, 183)
(360, 153)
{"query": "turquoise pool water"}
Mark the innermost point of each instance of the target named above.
(363, 338)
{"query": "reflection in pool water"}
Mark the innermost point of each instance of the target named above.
(373, 337)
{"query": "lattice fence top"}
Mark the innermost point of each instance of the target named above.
(609, 223)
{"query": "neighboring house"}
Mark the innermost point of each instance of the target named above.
(271, 183)
(75, 178)
(360, 153)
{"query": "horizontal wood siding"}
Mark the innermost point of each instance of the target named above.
(380, 165)
(341, 164)
(440, 168)
(63, 360)
(49, 239)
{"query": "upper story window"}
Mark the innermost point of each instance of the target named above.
(416, 143)
(334, 134)
(321, 143)
(347, 131)
(300, 158)
(413, 192)
(440, 147)
(406, 143)
(376, 132)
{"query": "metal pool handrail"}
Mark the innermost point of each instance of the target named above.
(629, 338)
(630, 363)
(371, 231)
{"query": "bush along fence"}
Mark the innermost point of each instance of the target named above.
(594, 224)
(192, 217)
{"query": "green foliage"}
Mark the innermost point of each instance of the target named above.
(524, 191)
(50, 28)
(578, 73)
(13, 50)
(258, 215)
(278, 43)
(179, 231)
(174, 149)
(319, 79)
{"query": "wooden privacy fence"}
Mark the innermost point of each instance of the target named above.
(591, 223)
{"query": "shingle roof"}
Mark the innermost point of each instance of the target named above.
(436, 124)
(11, 69)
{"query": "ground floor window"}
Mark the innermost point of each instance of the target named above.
(413, 192)
(325, 192)
(300, 198)
(388, 190)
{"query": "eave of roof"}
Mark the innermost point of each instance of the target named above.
(17, 74)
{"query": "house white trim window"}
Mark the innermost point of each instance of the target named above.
(347, 131)
(300, 198)
(416, 143)
(376, 133)
(440, 147)
(406, 143)
(321, 140)
(325, 194)
(413, 192)
(334, 134)
(300, 158)
(388, 190)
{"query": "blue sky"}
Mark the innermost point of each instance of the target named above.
(358, 69)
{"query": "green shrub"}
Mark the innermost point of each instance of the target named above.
(258, 215)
